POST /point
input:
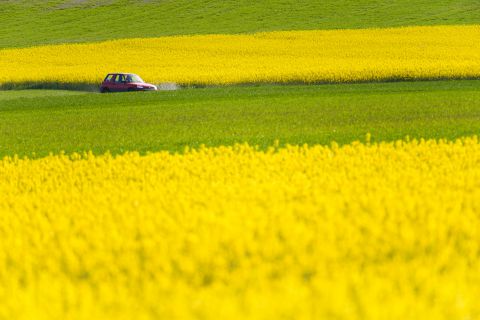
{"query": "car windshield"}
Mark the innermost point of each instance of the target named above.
(133, 78)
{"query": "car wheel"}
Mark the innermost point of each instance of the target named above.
(104, 90)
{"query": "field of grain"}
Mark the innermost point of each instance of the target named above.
(39, 122)
(370, 231)
(25, 23)
(409, 53)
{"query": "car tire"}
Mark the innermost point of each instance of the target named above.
(104, 90)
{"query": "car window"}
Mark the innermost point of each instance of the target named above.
(134, 78)
(109, 77)
(120, 78)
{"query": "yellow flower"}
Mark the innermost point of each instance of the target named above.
(288, 56)
(374, 231)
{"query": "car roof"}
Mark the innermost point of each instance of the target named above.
(121, 73)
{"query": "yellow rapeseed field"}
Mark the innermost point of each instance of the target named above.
(362, 231)
(290, 56)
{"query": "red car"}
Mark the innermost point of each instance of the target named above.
(120, 82)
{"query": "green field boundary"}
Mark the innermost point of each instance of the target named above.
(50, 85)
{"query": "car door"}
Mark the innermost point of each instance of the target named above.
(112, 84)
(108, 82)
(120, 83)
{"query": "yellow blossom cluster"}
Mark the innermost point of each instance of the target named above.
(289, 56)
(361, 231)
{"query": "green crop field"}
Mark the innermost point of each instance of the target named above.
(34, 22)
(75, 122)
